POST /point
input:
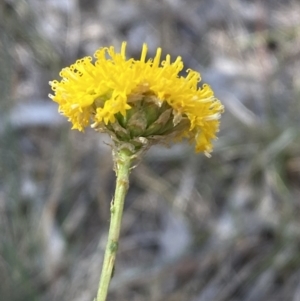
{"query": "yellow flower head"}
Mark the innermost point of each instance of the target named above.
(138, 102)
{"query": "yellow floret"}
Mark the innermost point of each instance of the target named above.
(96, 92)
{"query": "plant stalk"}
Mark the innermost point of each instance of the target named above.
(122, 166)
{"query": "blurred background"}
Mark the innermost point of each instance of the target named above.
(194, 228)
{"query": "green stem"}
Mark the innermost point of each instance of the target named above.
(122, 162)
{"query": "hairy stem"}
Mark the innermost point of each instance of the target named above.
(122, 163)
